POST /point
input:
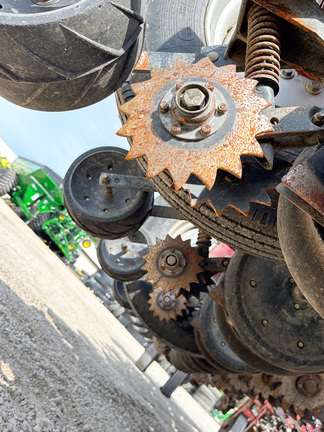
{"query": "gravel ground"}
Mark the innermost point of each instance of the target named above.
(66, 364)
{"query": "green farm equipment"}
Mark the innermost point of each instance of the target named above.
(37, 197)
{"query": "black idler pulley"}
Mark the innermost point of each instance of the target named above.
(122, 258)
(105, 212)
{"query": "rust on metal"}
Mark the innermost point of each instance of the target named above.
(303, 181)
(285, 389)
(143, 64)
(218, 295)
(185, 268)
(174, 155)
(300, 13)
(169, 312)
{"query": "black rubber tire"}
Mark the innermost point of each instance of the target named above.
(183, 31)
(8, 180)
(19, 211)
(302, 241)
(68, 55)
(124, 265)
(173, 383)
(92, 216)
(38, 221)
(120, 294)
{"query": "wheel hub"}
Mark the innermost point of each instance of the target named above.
(172, 262)
(193, 109)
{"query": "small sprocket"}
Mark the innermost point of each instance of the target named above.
(172, 265)
(166, 306)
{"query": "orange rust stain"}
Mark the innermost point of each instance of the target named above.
(143, 63)
(278, 8)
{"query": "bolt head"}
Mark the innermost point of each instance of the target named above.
(193, 99)
(222, 108)
(287, 73)
(210, 86)
(171, 260)
(105, 178)
(176, 128)
(205, 129)
(164, 107)
(179, 85)
(314, 87)
(318, 118)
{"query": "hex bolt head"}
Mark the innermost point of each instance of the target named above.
(193, 99)
(171, 260)
(105, 179)
(209, 86)
(318, 118)
(176, 128)
(287, 73)
(164, 107)
(205, 129)
(179, 85)
(222, 108)
(314, 87)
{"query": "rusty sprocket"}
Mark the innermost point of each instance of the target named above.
(172, 265)
(187, 133)
(166, 306)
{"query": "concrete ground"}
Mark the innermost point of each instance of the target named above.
(66, 364)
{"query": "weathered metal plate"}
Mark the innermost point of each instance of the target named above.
(300, 13)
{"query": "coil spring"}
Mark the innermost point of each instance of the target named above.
(203, 243)
(263, 47)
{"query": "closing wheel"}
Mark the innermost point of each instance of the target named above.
(271, 315)
(67, 54)
(112, 215)
(302, 243)
(214, 343)
(122, 259)
(176, 334)
(240, 349)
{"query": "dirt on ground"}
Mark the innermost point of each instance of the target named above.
(66, 364)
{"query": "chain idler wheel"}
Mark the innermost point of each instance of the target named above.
(166, 306)
(194, 119)
(172, 265)
(271, 315)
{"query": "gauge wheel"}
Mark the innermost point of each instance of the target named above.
(122, 258)
(109, 216)
(67, 54)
